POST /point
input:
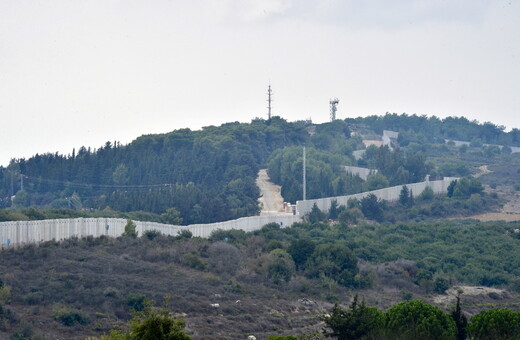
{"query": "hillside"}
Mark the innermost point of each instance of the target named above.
(261, 282)
(274, 281)
(186, 177)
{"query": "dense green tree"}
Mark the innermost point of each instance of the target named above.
(404, 195)
(356, 322)
(316, 215)
(300, 250)
(495, 324)
(172, 216)
(440, 285)
(372, 207)
(281, 266)
(415, 320)
(461, 322)
(334, 261)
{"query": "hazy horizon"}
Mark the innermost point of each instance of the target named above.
(82, 73)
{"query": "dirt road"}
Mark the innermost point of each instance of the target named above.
(271, 201)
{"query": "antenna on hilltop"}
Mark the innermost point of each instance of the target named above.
(269, 100)
(333, 108)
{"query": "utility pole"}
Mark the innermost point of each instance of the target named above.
(304, 176)
(269, 100)
(21, 182)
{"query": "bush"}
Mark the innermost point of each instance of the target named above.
(333, 261)
(130, 229)
(136, 301)
(70, 317)
(281, 266)
(151, 234)
(427, 194)
(194, 261)
(440, 285)
(357, 322)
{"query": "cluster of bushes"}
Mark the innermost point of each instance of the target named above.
(418, 320)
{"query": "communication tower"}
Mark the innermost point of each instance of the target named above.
(333, 108)
(269, 100)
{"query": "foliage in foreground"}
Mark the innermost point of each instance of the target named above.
(151, 325)
(412, 320)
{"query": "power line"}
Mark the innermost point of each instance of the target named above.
(103, 186)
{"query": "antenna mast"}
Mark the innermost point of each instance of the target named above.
(333, 108)
(269, 100)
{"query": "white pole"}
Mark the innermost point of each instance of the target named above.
(304, 177)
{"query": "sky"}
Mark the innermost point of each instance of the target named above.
(82, 72)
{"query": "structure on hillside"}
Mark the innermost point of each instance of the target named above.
(390, 139)
(333, 108)
(363, 173)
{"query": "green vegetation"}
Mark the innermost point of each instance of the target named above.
(274, 280)
(151, 325)
(207, 175)
(414, 320)
(94, 281)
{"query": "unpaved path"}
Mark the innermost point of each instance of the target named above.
(271, 201)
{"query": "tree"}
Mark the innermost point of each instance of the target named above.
(333, 210)
(451, 188)
(356, 322)
(316, 215)
(172, 216)
(376, 181)
(351, 215)
(427, 194)
(130, 229)
(440, 285)
(300, 250)
(280, 268)
(372, 207)
(495, 324)
(415, 320)
(334, 261)
(120, 175)
(404, 195)
(461, 322)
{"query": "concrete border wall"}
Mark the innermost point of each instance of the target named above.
(27, 232)
(361, 172)
(388, 194)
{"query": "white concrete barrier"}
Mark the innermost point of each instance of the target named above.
(388, 194)
(18, 233)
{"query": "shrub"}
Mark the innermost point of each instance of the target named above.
(136, 301)
(440, 285)
(70, 317)
(130, 229)
(281, 266)
(333, 261)
(194, 261)
(427, 194)
(151, 234)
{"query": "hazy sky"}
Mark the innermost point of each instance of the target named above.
(83, 72)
